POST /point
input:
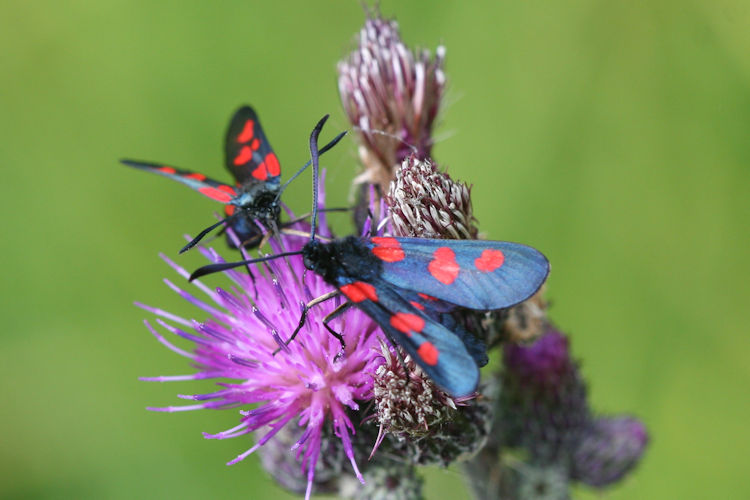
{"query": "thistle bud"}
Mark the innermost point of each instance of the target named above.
(424, 424)
(546, 482)
(286, 469)
(611, 447)
(394, 480)
(543, 402)
(544, 411)
(427, 203)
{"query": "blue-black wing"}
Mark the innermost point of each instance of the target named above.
(208, 187)
(249, 156)
(476, 274)
(438, 351)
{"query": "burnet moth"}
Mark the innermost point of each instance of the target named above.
(399, 282)
(254, 200)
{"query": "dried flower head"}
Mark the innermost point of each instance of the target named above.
(304, 384)
(392, 94)
(527, 320)
(427, 203)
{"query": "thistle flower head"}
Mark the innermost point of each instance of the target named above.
(545, 411)
(544, 398)
(541, 366)
(424, 424)
(527, 320)
(392, 93)
(611, 447)
(305, 383)
(407, 401)
(392, 480)
(284, 467)
(427, 203)
(547, 482)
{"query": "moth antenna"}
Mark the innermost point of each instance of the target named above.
(315, 156)
(225, 266)
(203, 233)
(325, 148)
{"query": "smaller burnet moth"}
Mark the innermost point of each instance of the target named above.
(254, 200)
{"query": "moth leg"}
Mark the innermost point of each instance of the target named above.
(266, 236)
(303, 316)
(250, 242)
(259, 236)
(304, 234)
(307, 215)
(333, 315)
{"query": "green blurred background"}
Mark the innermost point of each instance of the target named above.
(611, 135)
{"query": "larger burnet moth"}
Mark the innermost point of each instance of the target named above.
(400, 281)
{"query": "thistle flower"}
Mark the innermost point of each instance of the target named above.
(304, 383)
(394, 480)
(545, 411)
(284, 467)
(408, 402)
(611, 447)
(422, 422)
(548, 482)
(427, 203)
(544, 398)
(392, 94)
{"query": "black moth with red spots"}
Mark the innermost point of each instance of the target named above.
(405, 283)
(254, 200)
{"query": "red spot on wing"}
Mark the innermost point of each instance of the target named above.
(227, 189)
(260, 172)
(167, 170)
(244, 156)
(272, 165)
(417, 305)
(215, 194)
(359, 291)
(426, 297)
(229, 210)
(407, 323)
(388, 249)
(443, 267)
(248, 132)
(255, 144)
(490, 260)
(428, 353)
(196, 176)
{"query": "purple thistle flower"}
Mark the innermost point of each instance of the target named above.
(544, 398)
(609, 450)
(545, 411)
(304, 382)
(392, 93)
(426, 203)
